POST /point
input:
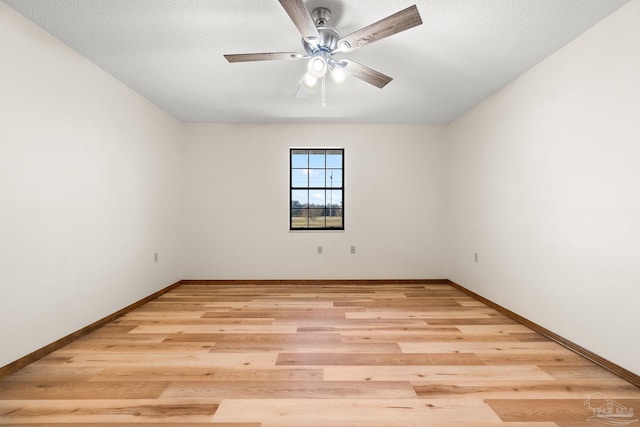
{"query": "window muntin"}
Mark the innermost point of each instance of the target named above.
(316, 189)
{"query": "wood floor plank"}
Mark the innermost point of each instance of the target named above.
(417, 326)
(48, 390)
(414, 336)
(499, 347)
(207, 374)
(322, 347)
(199, 321)
(493, 320)
(493, 329)
(272, 314)
(533, 359)
(377, 359)
(310, 355)
(561, 411)
(107, 411)
(96, 337)
(436, 374)
(143, 313)
(50, 374)
(212, 360)
(257, 338)
(403, 314)
(219, 328)
(590, 372)
(307, 323)
(576, 389)
(294, 412)
(291, 390)
(88, 346)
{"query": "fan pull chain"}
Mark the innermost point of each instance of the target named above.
(324, 98)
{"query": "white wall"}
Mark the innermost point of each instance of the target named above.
(545, 185)
(236, 203)
(90, 182)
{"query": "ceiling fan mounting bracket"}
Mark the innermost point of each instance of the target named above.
(321, 16)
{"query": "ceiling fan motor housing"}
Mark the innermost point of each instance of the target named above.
(328, 41)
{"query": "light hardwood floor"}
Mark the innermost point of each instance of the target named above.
(312, 355)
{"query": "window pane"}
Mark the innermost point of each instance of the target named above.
(334, 178)
(299, 178)
(317, 198)
(316, 217)
(299, 198)
(317, 178)
(316, 159)
(334, 221)
(299, 218)
(334, 199)
(317, 223)
(300, 159)
(334, 159)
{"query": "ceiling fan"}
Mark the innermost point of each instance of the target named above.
(321, 42)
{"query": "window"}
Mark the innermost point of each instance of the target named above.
(317, 189)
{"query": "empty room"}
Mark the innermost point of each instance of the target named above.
(313, 213)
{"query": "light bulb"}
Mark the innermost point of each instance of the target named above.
(317, 67)
(338, 74)
(309, 81)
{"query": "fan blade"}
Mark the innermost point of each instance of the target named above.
(366, 74)
(248, 57)
(393, 24)
(301, 18)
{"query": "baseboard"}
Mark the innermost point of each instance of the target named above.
(614, 368)
(319, 282)
(56, 345)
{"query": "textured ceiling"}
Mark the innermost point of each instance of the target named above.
(170, 51)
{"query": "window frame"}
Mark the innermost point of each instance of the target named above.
(326, 188)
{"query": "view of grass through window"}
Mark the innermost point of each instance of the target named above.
(317, 189)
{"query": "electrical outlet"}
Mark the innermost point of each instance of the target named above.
(319, 250)
(353, 249)
(475, 257)
(155, 257)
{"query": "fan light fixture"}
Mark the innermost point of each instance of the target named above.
(321, 42)
(316, 69)
(338, 72)
(309, 81)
